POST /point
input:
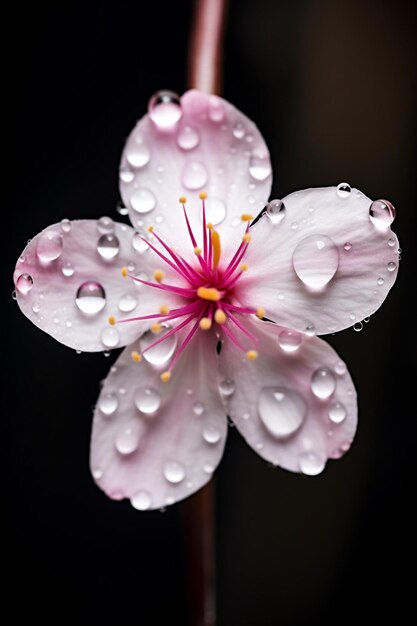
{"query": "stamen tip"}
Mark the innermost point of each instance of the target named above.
(202, 195)
(136, 357)
(156, 328)
(164, 309)
(111, 320)
(260, 312)
(220, 316)
(243, 267)
(124, 272)
(205, 323)
(246, 217)
(246, 238)
(197, 250)
(251, 355)
(165, 376)
(159, 276)
(209, 226)
(150, 229)
(182, 199)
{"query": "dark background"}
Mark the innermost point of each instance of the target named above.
(330, 84)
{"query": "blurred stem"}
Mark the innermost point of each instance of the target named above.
(199, 529)
(206, 46)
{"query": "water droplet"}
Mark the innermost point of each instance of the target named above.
(391, 266)
(290, 340)
(127, 302)
(198, 408)
(105, 225)
(310, 330)
(65, 225)
(49, 246)
(259, 166)
(281, 410)
(294, 225)
(311, 464)
(24, 283)
(110, 337)
(358, 327)
(238, 130)
(315, 260)
(366, 319)
(126, 175)
(217, 110)
(337, 412)
(108, 403)
(215, 210)
(227, 387)
(67, 269)
(141, 500)
(347, 246)
(138, 153)
(147, 401)
(174, 472)
(139, 243)
(211, 433)
(208, 468)
(36, 307)
(391, 243)
(108, 246)
(188, 138)
(380, 281)
(276, 211)
(194, 175)
(97, 473)
(127, 439)
(164, 108)
(340, 368)
(121, 209)
(91, 298)
(323, 383)
(162, 352)
(343, 190)
(142, 200)
(381, 214)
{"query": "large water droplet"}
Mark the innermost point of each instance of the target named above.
(91, 298)
(162, 352)
(174, 472)
(138, 153)
(188, 138)
(259, 166)
(127, 439)
(194, 175)
(217, 109)
(49, 246)
(290, 340)
(311, 464)
(164, 108)
(139, 243)
(110, 337)
(281, 410)
(315, 260)
(343, 190)
(215, 210)
(108, 403)
(127, 302)
(105, 225)
(24, 283)
(147, 401)
(211, 433)
(142, 200)
(108, 246)
(323, 383)
(141, 500)
(337, 412)
(276, 211)
(227, 387)
(381, 214)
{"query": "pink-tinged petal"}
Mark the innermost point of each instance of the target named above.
(68, 282)
(320, 264)
(212, 147)
(296, 404)
(153, 442)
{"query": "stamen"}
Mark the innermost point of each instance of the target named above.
(202, 195)
(243, 267)
(205, 323)
(215, 242)
(165, 376)
(125, 272)
(197, 250)
(209, 293)
(159, 276)
(150, 229)
(136, 356)
(246, 217)
(164, 309)
(156, 328)
(111, 320)
(220, 316)
(182, 200)
(251, 355)
(260, 312)
(246, 238)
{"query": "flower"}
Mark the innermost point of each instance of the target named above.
(219, 312)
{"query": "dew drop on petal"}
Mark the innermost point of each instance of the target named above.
(276, 211)
(358, 327)
(67, 269)
(24, 283)
(311, 464)
(147, 401)
(323, 383)
(216, 110)
(337, 412)
(391, 242)
(211, 433)
(49, 246)
(340, 368)
(162, 352)
(108, 403)
(238, 130)
(188, 138)
(310, 330)
(127, 302)
(127, 439)
(139, 243)
(259, 166)
(110, 337)
(380, 281)
(282, 411)
(194, 175)
(343, 190)
(108, 247)
(315, 260)
(289, 340)
(91, 298)
(227, 387)
(65, 225)
(208, 468)
(347, 246)
(215, 210)
(174, 472)
(164, 109)
(141, 500)
(381, 214)
(105, 225)
(121, 209)
(142, 200)
(391, 267)
(138, 153)
(198, 408)
(126, 175)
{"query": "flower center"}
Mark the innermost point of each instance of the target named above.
(209, 295)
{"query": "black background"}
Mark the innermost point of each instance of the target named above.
(330, 84)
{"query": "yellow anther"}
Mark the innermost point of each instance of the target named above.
(150, 229)
(243, 267)
(246, 217)
(165, 376)
(164, 309)
(251, 355)
(260, 312)
(182, 199)
(156, 328)
(197, 250)
(111, 320)
(159, 276)
(210, 226)
(246, 238)
(202, 195)
(209, 293)
(124, 272)
(205, 323)
(215, 242)
(136, 356)
(220, 316)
